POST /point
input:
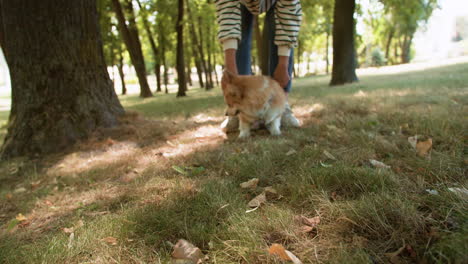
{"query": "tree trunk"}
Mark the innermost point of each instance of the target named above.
(197, 49)
(209, 51)
(189, 74)
(162, 44)
(344, 52)
(180, 63)
(208, 80)
(132, 41)
(406, 48)
(389, 42)
(327, 50)
(61, 91)
(121, 72)
(157, 66)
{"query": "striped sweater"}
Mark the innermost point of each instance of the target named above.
(288, 16)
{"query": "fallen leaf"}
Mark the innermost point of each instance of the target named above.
(291, 152)
(378, 164)
(411, 251)
(250, 184)
(270, 193)
(35, 184)
(282, 253)
(329, 155)
(20, 217)
(79, 224)
(306, 229)
(68, 230)
(184, 250)
(394, 256)
(110, 240)
(258, 200)
(313, 222)
(424, 147)
(180, 170)
(20, 190)
(9, 196)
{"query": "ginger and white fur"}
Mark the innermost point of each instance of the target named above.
(253, 98)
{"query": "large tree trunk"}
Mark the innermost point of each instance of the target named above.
(344, 51)
(132, 41)
(180, 63)
(406, 48)
(61, 91)
(157, 66)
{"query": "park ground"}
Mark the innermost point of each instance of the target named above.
(168, 172)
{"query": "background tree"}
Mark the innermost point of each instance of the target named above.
(61, 91)
(344, 52)
(132, 41)
(180, 64)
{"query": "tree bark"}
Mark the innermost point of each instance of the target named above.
(180, 63)
(406, 47)
(157, 66)
(344, 51)
(132, 41)
(121, 72)
(61, 91)
(162, 44)
(327, 50)
(389, 42)
(208, 81)
(197, 49)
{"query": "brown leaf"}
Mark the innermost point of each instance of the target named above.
(306, 229)
(271, 193)
(394, 256)
(184, 250)
(258, 200)
(411, 251)
(68, 230)
(329, 155)
(424, 147)
(313, 222)
(9, 196)
(20, 217)
(250, 184)
(110, 240)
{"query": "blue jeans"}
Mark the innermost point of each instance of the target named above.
(243, 54)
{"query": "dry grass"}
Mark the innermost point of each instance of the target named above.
(168, 172)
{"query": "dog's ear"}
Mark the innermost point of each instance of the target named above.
(229, 76)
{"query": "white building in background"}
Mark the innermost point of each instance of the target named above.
(435, 40)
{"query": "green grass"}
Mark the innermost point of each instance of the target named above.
(365, 212)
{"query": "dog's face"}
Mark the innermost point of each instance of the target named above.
(232, 94)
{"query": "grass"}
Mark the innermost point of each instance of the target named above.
(169, 173)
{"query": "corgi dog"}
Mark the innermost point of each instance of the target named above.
(253, 98)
